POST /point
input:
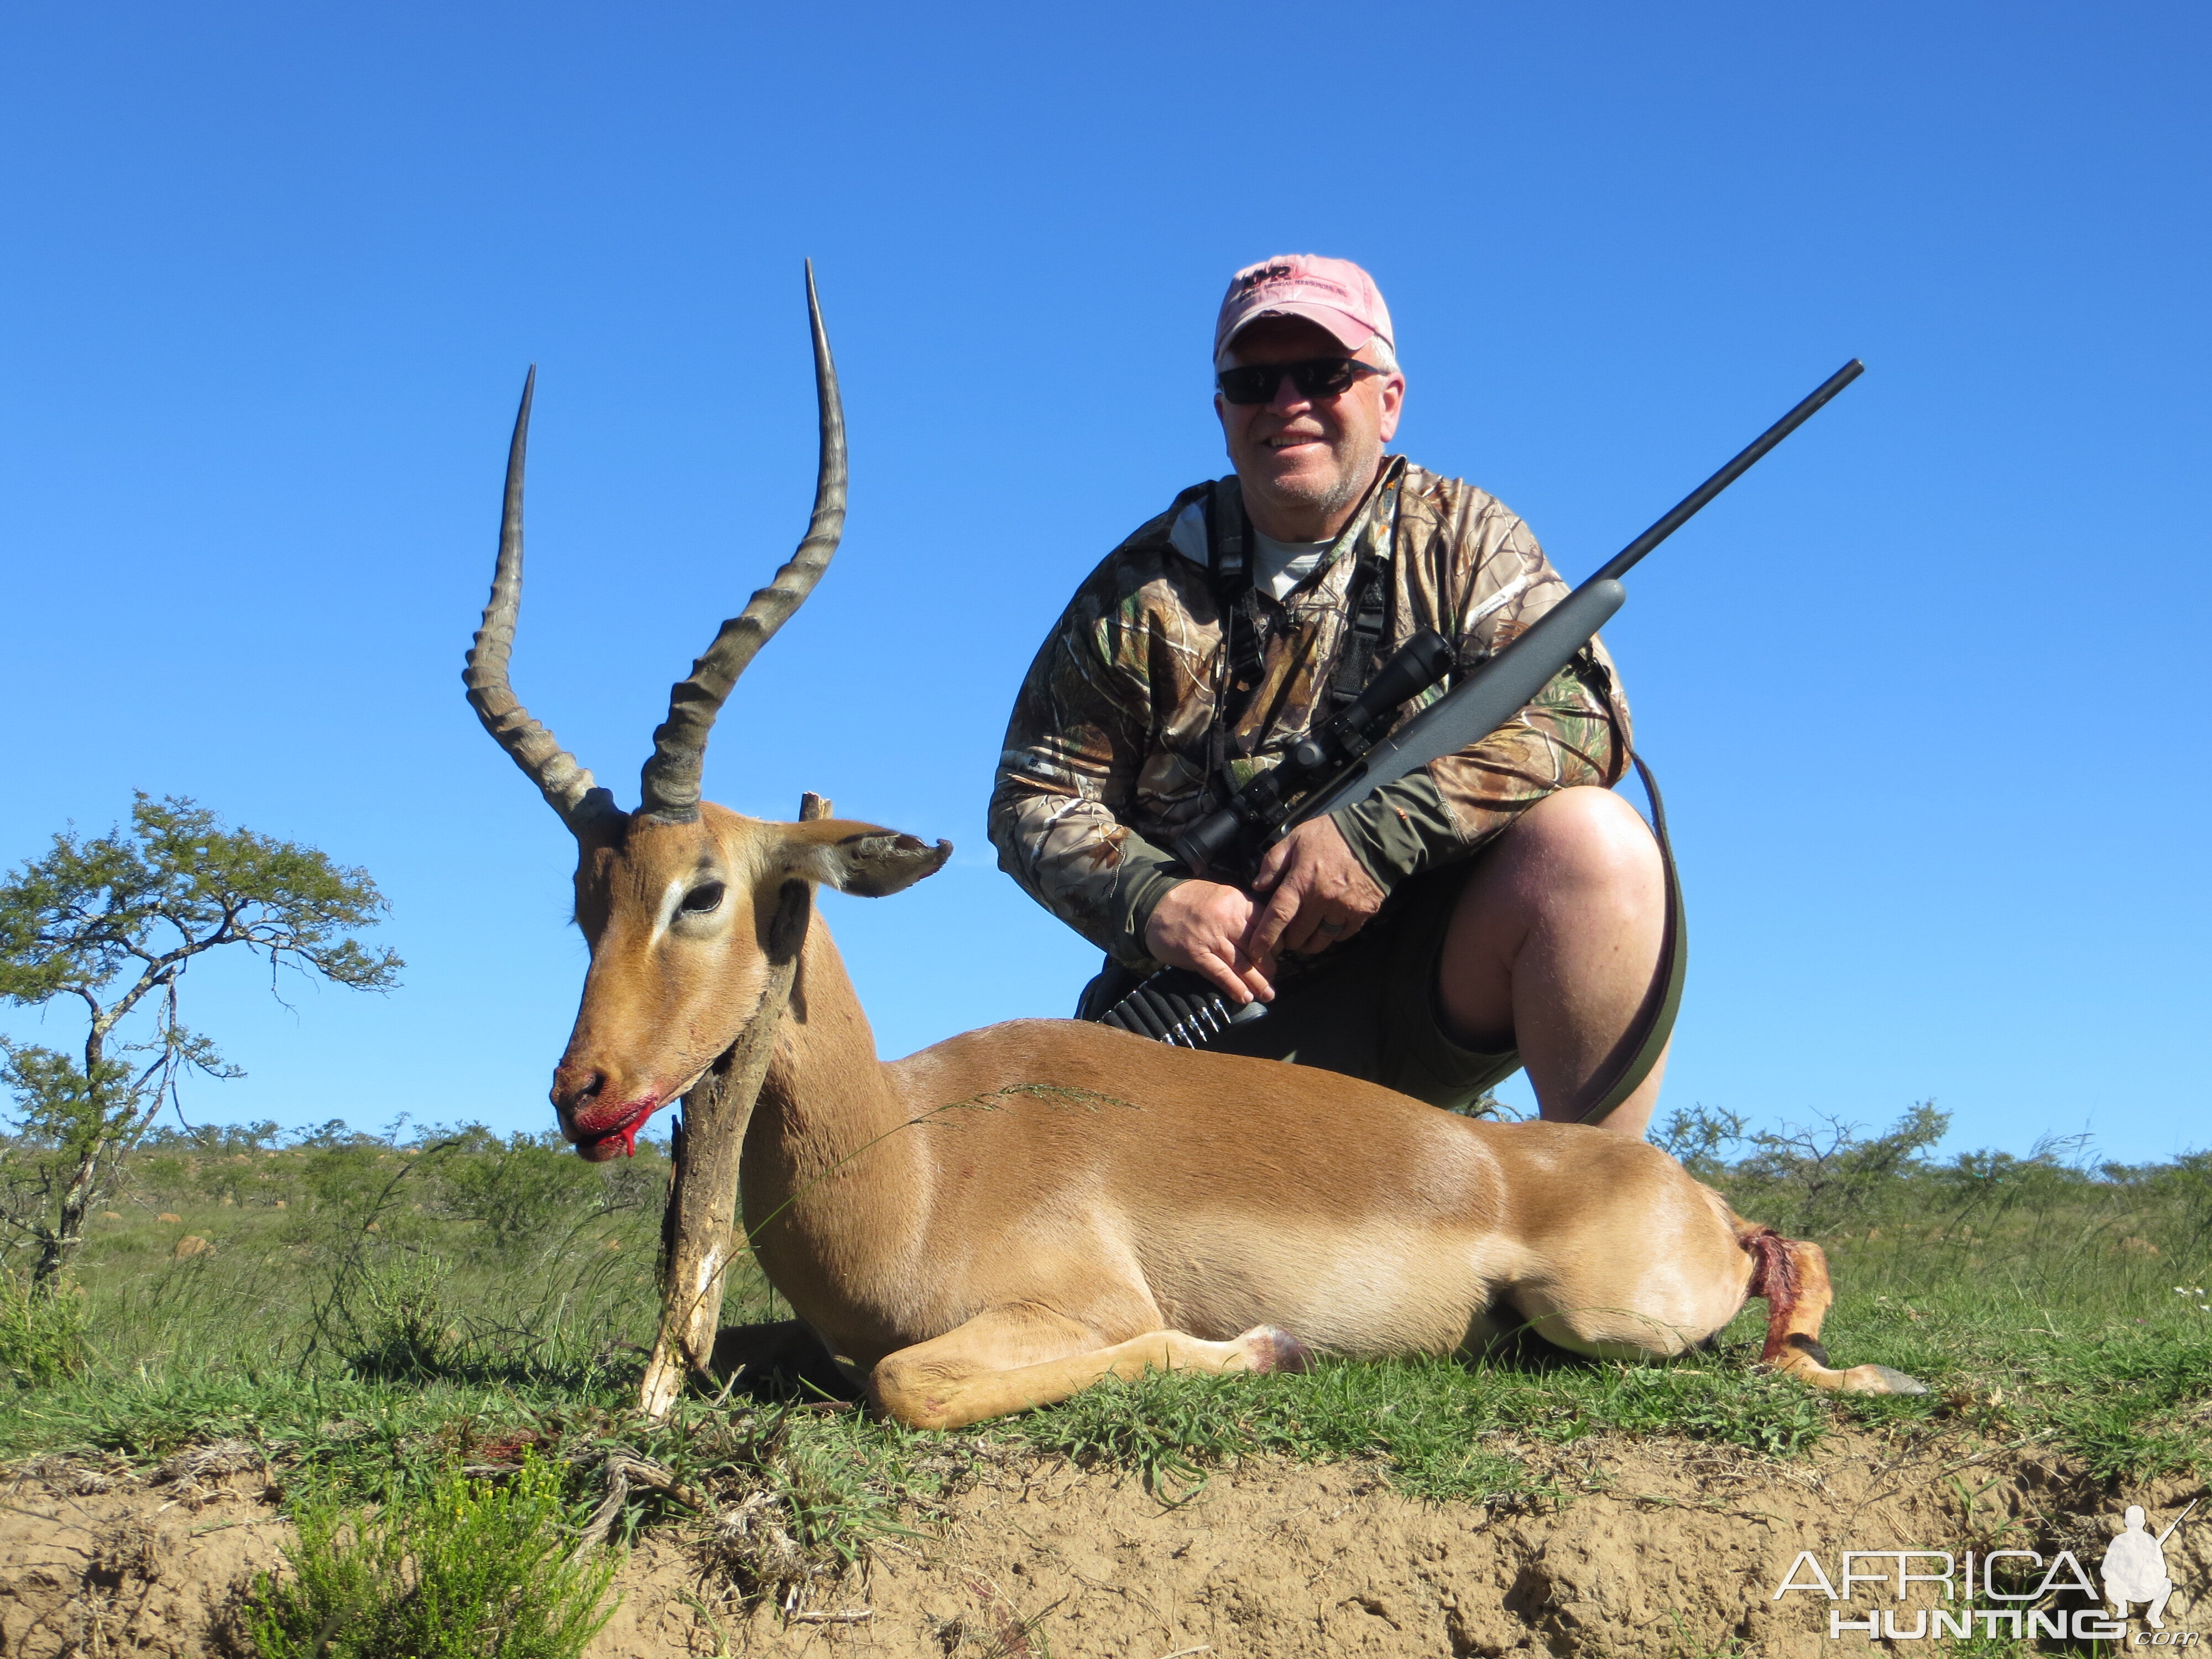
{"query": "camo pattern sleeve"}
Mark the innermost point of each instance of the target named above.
(1106, 756)
(1110, 723)
(1469, 567)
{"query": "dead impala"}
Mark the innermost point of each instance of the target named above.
(1000, 1220)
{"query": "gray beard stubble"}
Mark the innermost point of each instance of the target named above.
(1351, 484)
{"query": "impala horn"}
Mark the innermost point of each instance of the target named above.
(679, 744)
(567, 788)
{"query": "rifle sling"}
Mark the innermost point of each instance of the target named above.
(1657, 1024)
(1228, 553)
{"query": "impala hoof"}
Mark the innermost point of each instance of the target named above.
(1807, 1361)
(1882, 1379)
(1270, 1349)
(1859, 1379)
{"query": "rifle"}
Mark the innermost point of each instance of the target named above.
(1349, 758)
(2176, 1522)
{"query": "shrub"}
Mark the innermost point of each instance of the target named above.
(470, 1570)
(42, 1335)
(519, 1188)
(402, 1316)
(1801, 1181)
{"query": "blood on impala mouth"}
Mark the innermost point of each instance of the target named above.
(599, 1147)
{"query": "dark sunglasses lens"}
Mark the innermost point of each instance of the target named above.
(1324, 377)
(1316, 377)
(1253, 384)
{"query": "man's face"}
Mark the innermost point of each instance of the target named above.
(1306, 463)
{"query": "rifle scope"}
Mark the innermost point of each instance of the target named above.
(1413, 669)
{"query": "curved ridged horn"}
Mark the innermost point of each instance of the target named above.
(679, 744)
(568, 787)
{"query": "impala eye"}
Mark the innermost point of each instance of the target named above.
(702, 899)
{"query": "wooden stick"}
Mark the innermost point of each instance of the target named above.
(646, 1473)
(603, 1518)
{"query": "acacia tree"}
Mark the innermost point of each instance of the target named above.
(114, 922)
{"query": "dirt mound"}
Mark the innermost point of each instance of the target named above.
(99, 1562)
(1659, 1548)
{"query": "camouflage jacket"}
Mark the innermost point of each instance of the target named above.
(1108, 751)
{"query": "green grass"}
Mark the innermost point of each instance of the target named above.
(41, 1337)
(467, 1255)
(1425, 1420)
(377, 1317)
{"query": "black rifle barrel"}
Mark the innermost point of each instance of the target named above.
(1496, 691)
(1621, 563)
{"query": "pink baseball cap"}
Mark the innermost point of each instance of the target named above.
(1334, 293)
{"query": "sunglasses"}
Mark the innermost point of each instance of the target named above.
(1315, 377)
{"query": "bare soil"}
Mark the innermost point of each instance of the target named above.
(1664, 1548)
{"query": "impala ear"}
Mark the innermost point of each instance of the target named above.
(863, 859)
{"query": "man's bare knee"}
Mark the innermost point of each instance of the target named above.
(1552, 947)
(1589, 840)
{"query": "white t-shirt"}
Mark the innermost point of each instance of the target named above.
(1278, 566)
(1281, 566)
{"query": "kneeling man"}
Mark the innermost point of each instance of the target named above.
(1500, 907)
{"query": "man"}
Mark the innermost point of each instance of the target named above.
(2135, 1569)
(1500, 907)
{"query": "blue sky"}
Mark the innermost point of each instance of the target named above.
(1921, 689)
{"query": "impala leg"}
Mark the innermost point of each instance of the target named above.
(1792, 1275)
(1009, 1358)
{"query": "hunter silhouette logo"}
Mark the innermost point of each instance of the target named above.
(1969, 1586)
(2135, 1567)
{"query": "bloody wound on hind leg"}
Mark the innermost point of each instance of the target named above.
(1792, 1275)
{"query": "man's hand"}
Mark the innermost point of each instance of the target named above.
(1317, 894)
(1200, 926)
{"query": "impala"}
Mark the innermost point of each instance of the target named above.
(1000, 1220)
